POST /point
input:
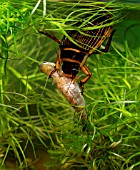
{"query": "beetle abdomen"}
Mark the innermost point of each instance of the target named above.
(70, 68)
(72, 55)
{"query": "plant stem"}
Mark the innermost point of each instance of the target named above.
(4, 56)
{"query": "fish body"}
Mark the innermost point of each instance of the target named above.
(69, 88)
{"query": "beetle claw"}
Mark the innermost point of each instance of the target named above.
(82, 87)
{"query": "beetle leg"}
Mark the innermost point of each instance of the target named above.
(108, 42)
(57, 64)
(85, 70)
(56, 68)
(106, 49)
(50, 36)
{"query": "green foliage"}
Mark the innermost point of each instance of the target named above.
(34, 113)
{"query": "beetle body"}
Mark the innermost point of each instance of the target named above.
(71, 62)
(72, 56)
